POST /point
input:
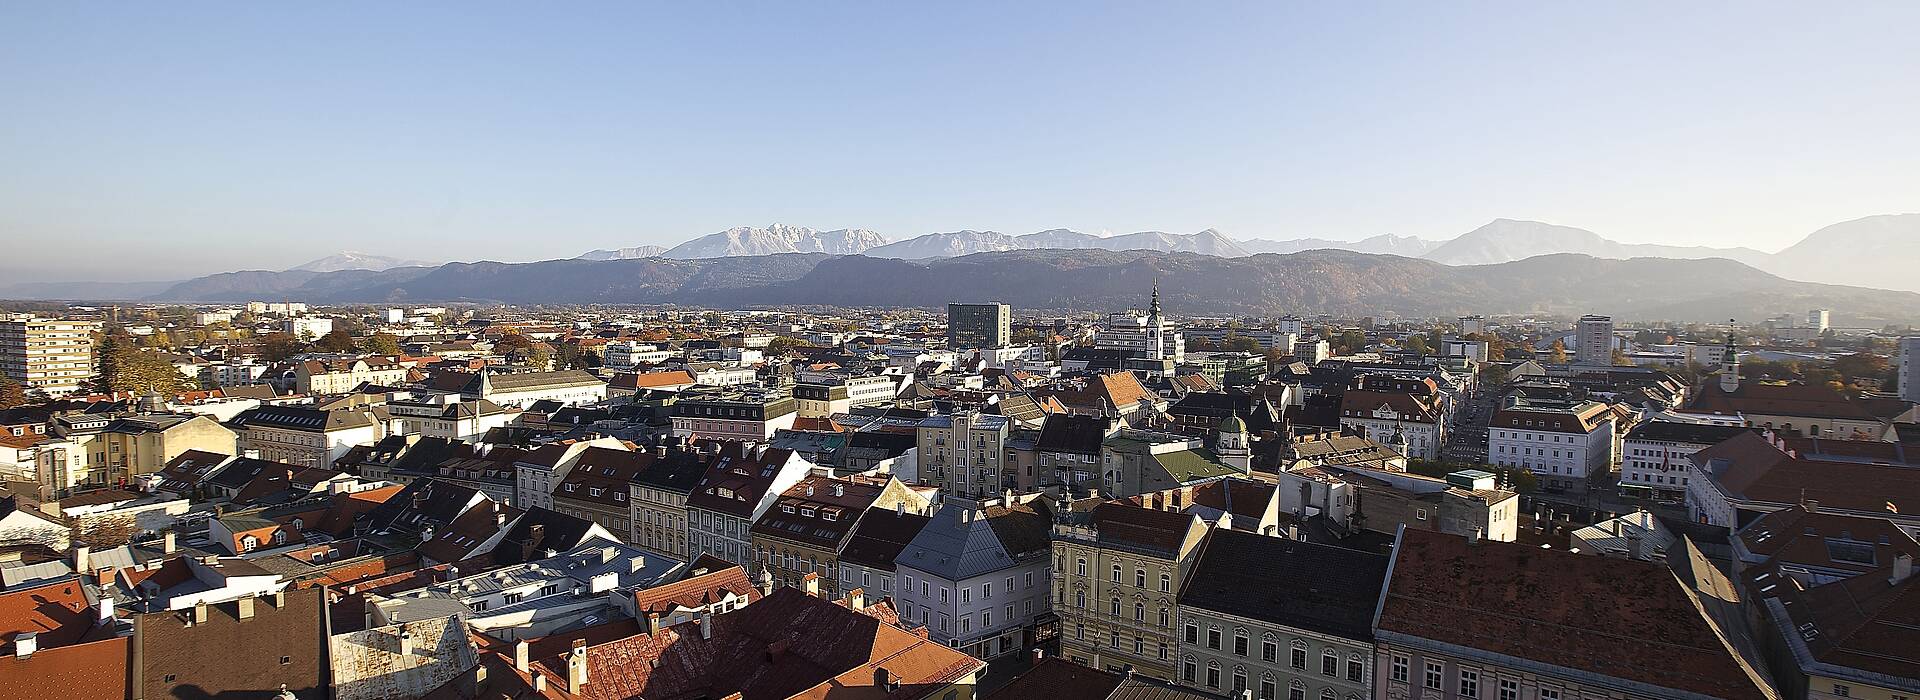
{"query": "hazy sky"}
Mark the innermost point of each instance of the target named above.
(167, 140)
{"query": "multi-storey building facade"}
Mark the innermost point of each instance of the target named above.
(463, 421)
(54, 356)
(805, 530)
(963, 453)
(977, 575)
(540, 472)
(1593, 341)
(733, 414)
(597, 487)
(341, 376)
(1656, 456)
(658, 496)
(1407, 414)
(1250, 621)
(308, 437)
(971, 326)
(1561, 442)
(1117, 573)
(741, 482)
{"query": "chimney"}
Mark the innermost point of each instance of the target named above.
(244, 608)
(169, 542)
(82, 557)
(106, 609)
(1902, 569)
(653, 623)
(577, 667)
(706, 624)
(199, 613)
(1038, 654)
(406, 641)
(885, 680)
(520, 656)
(1473, 538)
(25, 643)
(539, 683)
(857, 599)
(811, 583)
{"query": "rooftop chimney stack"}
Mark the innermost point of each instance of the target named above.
(1902, 569)
(82, 558)
(406, 641)
(25, 643)
(244, 607)
(577, 667)
(169, 542)
(811, 583)
(706, 624)
(106, 609)
(520, 656)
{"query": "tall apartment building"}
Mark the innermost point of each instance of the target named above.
(1910, 369)
(979, 325)
(52, 355)
(1820, 320)
(1593, 341)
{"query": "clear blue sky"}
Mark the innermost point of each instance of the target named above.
(166, 140)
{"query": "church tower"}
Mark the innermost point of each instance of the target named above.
(1730, 366)
(1156, 327)
(1230, 443)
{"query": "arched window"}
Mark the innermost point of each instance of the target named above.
(1116, 607)
(1163, 617)
(1140, 612)
(1116, 573)
(249, 543)
(1327, 694)
(1166, 583)
(1080, 599)
(1140, 578)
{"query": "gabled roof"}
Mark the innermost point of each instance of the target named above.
(1302, 585)
(695, 591)
(1077, 434)
(1054, 678)
(1626, 619)
(880, 536)
(1866, 622)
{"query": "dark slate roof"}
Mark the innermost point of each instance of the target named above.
(1668, 431)
(1054, 678)
(880, 536)
(1069, 433)
(1315, 587)
(538, 530)
(678, 471)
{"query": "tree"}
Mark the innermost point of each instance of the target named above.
(275, 347)
(381, 344)
(540, 355)
(335, 340)
(1620, 358)
(1352, 341)
(511, 343)
(1234, 342)
(1027, 336)
(1558, 352)
(12, 394)
(1861, 365)
(1493, 374)
(138, 371)
(780, 345)
(1418, 345)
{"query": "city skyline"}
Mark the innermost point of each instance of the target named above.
(268, 138)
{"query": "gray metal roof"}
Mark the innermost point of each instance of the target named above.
(957, 545)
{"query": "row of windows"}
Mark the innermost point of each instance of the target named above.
(1467, 681)
(1270, 652)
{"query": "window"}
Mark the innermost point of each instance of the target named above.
(1080, 599)
(1509, 689)
(1115, 607)
(1433, 676)
(1399, 668)
(1080, 567)
(1355, 668)
(1240, 643)
(1116, 573)
(1469, 683)
(1193, 634)
(1841, 690)
(1329, 664)
(1549, 694)
(512, 598)
(1139, 612)
(1299, 658)
(1239, 680)
(1140, 578)
(1166, 583)
(1269, 651)
(1188, 669)
(966, 594)
(1213, 638)
(1139, 646)
(1163, 617)
(1213, 675)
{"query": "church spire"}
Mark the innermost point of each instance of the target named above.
(1154, 308)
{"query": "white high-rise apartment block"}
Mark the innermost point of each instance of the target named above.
(1470, 325)
(1593, 341)
(1820, 320)
(52, 355)
(1910, 368)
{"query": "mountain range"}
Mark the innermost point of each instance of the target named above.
(1315, 281)
(355, 260)
(1879, 251)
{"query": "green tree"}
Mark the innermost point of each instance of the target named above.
(139, 371)
(1493, 374)
(336, 340)
(1029, 336)
(12, 394)
(1234, 342)
(1418, 344)
(1558, 353)
(1862, 365)
(1352, 341)
(381, 344)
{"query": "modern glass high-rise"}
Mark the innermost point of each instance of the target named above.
(979, 325)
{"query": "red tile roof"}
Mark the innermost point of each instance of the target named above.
(695, 592)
